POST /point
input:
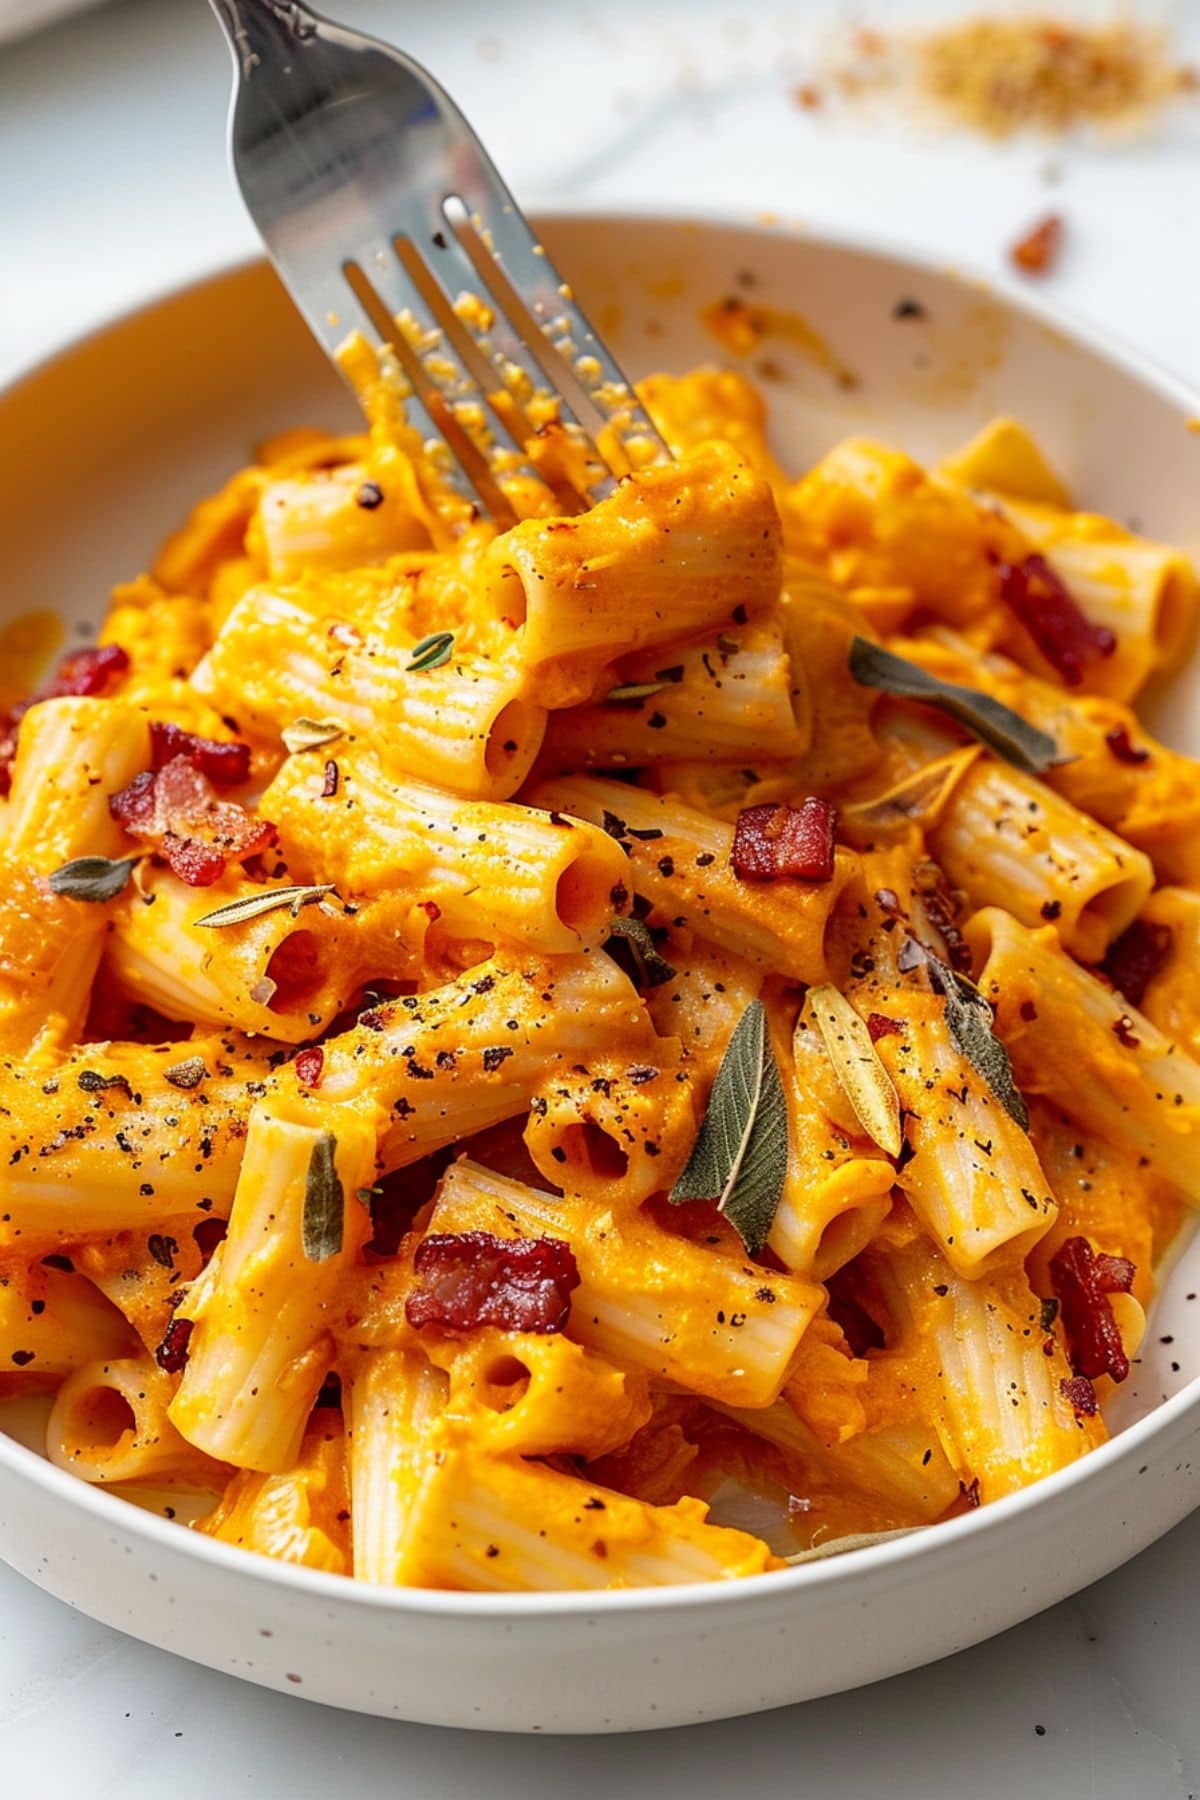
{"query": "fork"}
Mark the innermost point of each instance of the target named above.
(372, 193)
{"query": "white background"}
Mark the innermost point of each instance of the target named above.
(112, 184)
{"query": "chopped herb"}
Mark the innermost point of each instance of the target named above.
(632, 693)
(96, 878)
(430, 653)
(324, 1202)
(93, 1082)
(252, 906)
(310, 734)
(739, 1159)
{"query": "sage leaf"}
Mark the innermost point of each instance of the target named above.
(252, 906)
(740, 1158)
(96, 878)
(310, 734)
(855, 1540)
(920, 798)
(430, 653)
(324, 1202)
(994, 724)
(654, 967)
(868, 1085)
(972, 1030)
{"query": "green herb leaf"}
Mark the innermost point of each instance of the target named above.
(856, 1540)
(995, 725)
(868, 1086)
(252, 906)
(654, 966)
(310, 734)
(633, 692)
(740, 1157)
(971, 1026)
(431, 652)
(324, 1202)
(96, 878)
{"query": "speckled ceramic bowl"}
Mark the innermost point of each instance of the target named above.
(108, 444)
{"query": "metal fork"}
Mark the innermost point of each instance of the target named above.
(380, 207)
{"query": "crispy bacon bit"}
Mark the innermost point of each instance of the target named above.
(81, 675)
(308, 1065)
(1124, 1033)
(771, 841)
(473, 1279)
(175, 809)
(1123, 746)
(1136, 957)
(172, 1353)
(1082, 1395)
(1038, 251)
(880, 1026)
(1042, 602)
(225, 764)
(1083, 1280)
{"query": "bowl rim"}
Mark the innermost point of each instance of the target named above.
(838, 1570)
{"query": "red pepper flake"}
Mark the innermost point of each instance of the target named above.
(225, 763)
(309, 1064)
(329, 780)
(1039, 250)
(970, 1493)
(880, 1026)
(471, 1279)
(1028, 1011)
(172, 1353)
(1123, 746)
(1082, 1395)
(1136, 957)
(176, 809)
(1042, 602)
(208, 1234)
(773, 841)
(1083, 1280)
(1124, 1033)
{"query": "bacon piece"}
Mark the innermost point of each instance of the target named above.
(81, 675)
(1038, 251)
(309, 1064)
(1083, 1279)
(1123, 746)
(880, 1026)
(1043, 603)
(175, 809)
(774, 841)
(1136, 957)
(1082, 1395)
(225, 764)
(172, 1353)
(474, 1278)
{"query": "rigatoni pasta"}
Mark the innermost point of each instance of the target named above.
(513, 1041)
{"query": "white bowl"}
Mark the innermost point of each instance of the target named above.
(109, 443)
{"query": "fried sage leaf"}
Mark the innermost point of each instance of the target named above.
(918, 799)
(310, 734)
(994, 724)
(739, 1159)
(972, 1031)
(252, 906)
(867, 1083)
(96, 878)
(324, 1202)
(654, 967)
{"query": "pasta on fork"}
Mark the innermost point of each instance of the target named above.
(629, 1049)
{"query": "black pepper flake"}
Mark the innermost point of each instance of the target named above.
(656, 721)
(908, 308)
(494, 1056)
(369, 496)
(22, 1358)
(666, 866)
(1051, 910)
(162, 1249)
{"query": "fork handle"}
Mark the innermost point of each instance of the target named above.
(264, 31)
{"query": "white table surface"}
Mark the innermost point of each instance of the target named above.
(114, 182)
